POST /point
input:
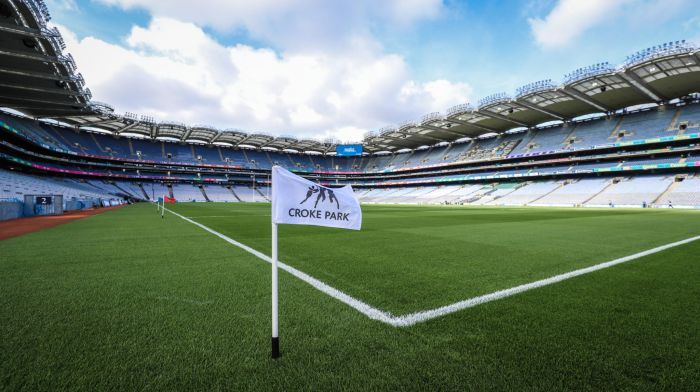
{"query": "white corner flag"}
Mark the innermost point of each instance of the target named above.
(298, 201)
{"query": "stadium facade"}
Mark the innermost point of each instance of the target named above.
(606, 135)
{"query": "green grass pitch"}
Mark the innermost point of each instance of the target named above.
(126, 300)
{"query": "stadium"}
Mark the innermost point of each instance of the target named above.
(542, 239)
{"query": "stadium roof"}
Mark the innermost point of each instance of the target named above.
(38, 79)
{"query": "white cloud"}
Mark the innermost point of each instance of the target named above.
(299, 25)
(571, 18)
(65, 5)
(173, 70)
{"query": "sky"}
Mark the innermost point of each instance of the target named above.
(338, 69)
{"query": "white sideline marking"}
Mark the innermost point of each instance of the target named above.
(367, 310)
(425, 315)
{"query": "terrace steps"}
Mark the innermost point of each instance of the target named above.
(264, 196)
(61, 137)
(97, 143)
(673, 185)
(234, 193)
(447, 151)
(569, 135)
(144, 191)
(610, 185)
(563, 184)
(294, 164)
(201, 188)
(616, 129)
(114, 184)
(673, 126)
(272, 162)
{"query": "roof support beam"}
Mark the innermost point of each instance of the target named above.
(539, 109)
(42, 112)
(186, 134)
(500, 117)
(20, 30)
(43, 90)
(585, 99)
(4, 98)
(216, 137)
(642, 86)
(468, 124)
(93, 123)
(243, 140)
(267, 143)
(30, 56)
(126, 128)
(426, 136)
(446, 130)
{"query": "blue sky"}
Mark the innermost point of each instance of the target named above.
(322, 68)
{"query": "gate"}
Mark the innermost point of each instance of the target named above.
(43, 205)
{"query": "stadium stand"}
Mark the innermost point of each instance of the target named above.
(567, 144)
(15, 185)
(573, 193)
(682, 193)
(527, 193)
(632, 192)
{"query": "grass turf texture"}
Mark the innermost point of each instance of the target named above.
(125, 300)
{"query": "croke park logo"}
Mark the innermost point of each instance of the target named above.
(320, 193)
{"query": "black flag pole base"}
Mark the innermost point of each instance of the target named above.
(275, 348)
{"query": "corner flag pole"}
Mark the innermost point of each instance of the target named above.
(275, 330)
(162, 210)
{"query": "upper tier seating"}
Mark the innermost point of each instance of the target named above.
(652, 123)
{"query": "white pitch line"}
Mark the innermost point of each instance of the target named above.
(418, 317)
(367, 310)
(425, 315)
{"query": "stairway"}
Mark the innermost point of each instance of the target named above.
(94, 139)
(122, 190)
(568, 137)
(673, 185)
(272, 163)
(262, 194)
(294, 164)
(610, 185)
(144, 191)
(616, 130)
(234, 193)
(221, 155)
(201, 188)
(553, 190)
(673, 126)
(248, 160)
